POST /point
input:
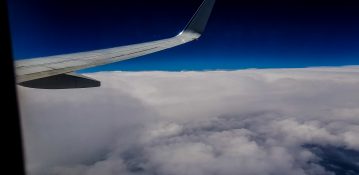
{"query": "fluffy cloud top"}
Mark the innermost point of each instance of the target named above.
(248, 122)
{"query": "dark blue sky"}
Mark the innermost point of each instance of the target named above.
(240, 34)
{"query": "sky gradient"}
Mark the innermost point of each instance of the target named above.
(245, 34)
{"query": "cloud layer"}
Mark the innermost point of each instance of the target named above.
(245, 122)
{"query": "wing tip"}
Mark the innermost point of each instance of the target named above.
(199, 21)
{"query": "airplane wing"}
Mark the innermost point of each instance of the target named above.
(56, 72)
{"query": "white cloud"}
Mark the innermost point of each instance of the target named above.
(176, 123)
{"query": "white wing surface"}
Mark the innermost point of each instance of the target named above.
(56, 72)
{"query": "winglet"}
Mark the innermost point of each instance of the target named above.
(198, 22)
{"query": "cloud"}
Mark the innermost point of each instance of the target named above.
(176, 123)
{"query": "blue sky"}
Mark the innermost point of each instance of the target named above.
(253, 34)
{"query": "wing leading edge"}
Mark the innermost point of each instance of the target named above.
(36, 72)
